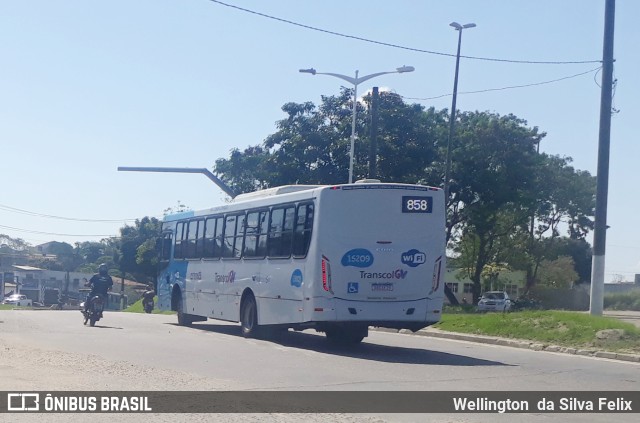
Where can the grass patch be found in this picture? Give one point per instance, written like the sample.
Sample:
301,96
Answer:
137,308
623,301
564,328
12,307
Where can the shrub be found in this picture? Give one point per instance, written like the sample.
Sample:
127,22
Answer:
623,301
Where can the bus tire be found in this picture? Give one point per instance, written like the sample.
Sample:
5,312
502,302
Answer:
183,318
249,317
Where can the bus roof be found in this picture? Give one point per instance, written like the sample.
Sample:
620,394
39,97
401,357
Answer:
291,189
285,189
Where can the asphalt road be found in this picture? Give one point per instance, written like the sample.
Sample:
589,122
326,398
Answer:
632,317
52,350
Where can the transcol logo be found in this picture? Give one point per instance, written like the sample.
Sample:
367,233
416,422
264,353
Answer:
394,274
414,258
230,278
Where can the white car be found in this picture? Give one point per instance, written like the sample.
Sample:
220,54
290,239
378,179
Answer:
494,301
18,300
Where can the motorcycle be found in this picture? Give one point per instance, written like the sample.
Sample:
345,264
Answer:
93,312
147,304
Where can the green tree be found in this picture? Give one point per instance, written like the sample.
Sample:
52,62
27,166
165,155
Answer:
498,180
137,253
9,244
67,258
245,171
91,251
580,252
492,183
565,199
311,145
558,273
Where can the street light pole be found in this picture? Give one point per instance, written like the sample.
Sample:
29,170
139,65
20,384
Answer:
353,127
452,119
356,81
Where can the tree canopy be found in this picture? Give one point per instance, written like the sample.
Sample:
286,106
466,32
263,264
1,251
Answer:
507,204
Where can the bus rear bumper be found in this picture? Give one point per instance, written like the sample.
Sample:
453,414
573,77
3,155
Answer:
412,315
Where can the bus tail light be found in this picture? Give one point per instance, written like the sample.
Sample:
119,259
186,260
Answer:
326,274
437,267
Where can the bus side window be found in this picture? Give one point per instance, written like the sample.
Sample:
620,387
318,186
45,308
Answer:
212,232
200,239
255,235
239,236
233,234
219,240
228,236
167,240
280,232
192,238
302,233
177,251
261,247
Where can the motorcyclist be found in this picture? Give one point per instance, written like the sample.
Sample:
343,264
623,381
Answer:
100,284
148,295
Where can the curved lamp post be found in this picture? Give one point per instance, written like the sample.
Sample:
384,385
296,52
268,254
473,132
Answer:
355,81
452,119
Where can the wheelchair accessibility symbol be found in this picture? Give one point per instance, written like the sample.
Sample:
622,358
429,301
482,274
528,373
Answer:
352,288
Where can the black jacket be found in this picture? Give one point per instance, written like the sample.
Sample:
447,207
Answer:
100,284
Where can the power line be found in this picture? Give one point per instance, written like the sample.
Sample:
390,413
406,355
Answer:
537,62
509,87
30,213
56,234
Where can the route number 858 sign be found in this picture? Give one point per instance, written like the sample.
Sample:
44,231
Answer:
411,204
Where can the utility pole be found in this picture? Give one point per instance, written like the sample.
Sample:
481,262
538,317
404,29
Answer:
373,150
122,304
602,180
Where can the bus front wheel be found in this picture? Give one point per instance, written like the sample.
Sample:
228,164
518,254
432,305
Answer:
249,317
183,318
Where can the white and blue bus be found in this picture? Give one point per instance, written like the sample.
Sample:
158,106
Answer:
337,259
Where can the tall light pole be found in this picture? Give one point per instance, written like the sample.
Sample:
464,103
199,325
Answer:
355,81
452,119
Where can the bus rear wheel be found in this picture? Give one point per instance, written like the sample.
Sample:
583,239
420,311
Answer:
249,318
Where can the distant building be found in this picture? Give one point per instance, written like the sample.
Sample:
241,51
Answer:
45,248
622,287
33,282
38,284
512,282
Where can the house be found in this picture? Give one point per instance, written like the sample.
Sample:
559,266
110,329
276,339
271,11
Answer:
44,286
34,282
512,282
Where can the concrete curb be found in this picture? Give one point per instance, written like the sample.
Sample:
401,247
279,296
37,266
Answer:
516,343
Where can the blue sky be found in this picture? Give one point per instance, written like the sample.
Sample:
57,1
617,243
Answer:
87,86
